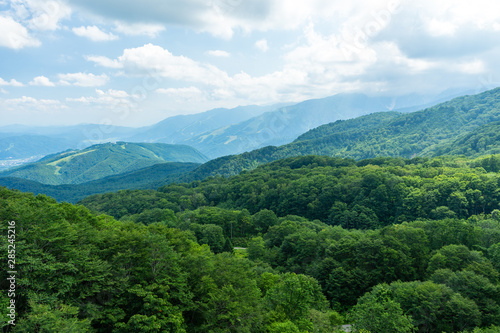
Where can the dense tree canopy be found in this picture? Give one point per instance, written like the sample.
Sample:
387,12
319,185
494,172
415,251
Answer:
328,242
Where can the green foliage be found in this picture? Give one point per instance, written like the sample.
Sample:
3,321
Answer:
146,178
78,272
292,297
491,329
402,244
435,307
475,287
378,312
335,191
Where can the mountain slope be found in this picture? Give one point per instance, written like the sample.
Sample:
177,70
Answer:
414,134
424,133
178,129
287,123
99,161
147,178
484,140
25,146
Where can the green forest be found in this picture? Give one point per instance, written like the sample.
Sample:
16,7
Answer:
302,244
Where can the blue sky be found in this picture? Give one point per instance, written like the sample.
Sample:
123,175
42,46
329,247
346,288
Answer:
135,63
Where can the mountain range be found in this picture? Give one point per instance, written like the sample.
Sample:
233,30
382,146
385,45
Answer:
467,125
214,133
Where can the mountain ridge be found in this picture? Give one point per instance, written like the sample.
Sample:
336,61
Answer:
99,161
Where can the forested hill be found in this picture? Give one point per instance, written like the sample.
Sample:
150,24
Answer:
429,251
397,245
415,134
99,161
366,194
147,178
456,126
483,140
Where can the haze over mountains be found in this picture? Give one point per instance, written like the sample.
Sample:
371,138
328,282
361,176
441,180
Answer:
214,133
465,125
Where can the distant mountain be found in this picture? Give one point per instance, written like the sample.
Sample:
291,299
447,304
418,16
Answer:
19,149
419,133
465,125
76,136
20,144
215,133
178,129
99,161
151,177
24,144
285,124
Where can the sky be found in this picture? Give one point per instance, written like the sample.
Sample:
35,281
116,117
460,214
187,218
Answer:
134,63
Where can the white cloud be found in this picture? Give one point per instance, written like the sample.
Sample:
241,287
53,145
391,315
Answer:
472,67
83,79
153,60
363,45
43,15
262,45
441,28
116,101
219,53
14,35
188,92
46,15
109,97
32,111
32,104
41,81
104,61
94,34
139,29
12,82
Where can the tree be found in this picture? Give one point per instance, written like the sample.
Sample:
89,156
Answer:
263,220
256,249
53,318
475,287
292,297
377,312
435,307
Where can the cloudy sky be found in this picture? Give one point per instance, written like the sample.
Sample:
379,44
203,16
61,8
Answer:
131,62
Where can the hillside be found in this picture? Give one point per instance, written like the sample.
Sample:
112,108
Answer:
25,146
21,144
178,129
414,134
360,238
285,124
446,128
147,178
482,141
99,161
423,233
464,125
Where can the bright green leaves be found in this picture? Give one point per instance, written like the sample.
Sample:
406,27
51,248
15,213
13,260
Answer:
378,312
